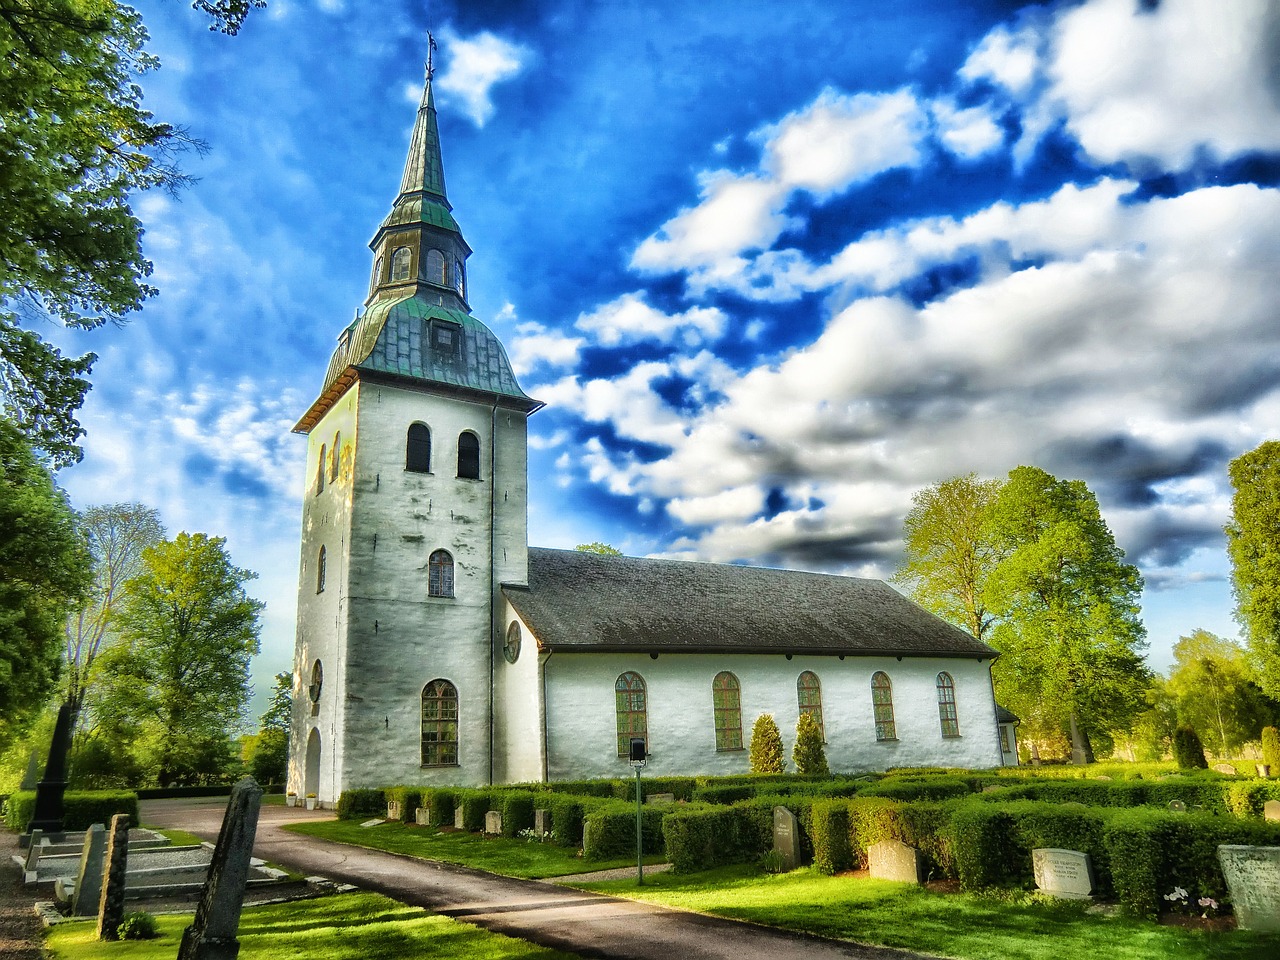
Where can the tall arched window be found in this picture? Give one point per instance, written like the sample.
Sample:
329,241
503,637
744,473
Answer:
632,712
417,449
400,261
321,466
316,686
726,699
468,456
947,706
459,279
334,456
320,571
809,693
377,274
435,268
440,574
439,724
882,706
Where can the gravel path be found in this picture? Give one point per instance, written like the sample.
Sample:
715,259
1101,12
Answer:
20,929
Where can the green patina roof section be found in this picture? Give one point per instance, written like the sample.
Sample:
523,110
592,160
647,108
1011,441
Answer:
392,338
423,169
414,209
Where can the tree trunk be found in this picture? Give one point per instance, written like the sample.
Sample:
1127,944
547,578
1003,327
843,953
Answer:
1081,748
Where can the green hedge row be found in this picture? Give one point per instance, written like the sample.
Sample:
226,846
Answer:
609,831
80,808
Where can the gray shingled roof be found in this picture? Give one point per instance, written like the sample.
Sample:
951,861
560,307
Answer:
578,601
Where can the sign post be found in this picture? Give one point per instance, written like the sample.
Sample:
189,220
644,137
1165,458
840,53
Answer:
638,762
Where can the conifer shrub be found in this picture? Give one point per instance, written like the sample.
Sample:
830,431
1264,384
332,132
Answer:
1187,750
808,754
766,746
1271,749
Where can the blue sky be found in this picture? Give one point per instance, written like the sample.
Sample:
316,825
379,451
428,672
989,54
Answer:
773,266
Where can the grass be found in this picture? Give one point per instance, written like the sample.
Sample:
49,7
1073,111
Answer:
969,927
510,858
353,926
179,838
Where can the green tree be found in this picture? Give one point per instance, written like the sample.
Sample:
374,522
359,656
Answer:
808,754
180,671
949,552
1271,748
1188,751
1150,735
766,746
267,752
1067,611
44,571
595,546
1213,685
1253,545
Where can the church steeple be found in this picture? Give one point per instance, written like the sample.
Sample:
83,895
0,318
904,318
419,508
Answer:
419,249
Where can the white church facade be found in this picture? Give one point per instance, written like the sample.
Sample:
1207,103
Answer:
435,647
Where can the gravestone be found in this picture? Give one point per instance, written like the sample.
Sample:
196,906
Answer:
893,860
1177,806
34,850
786,837
1063,873
111,902
542,821
493,822
393,810
49,791
1271,810
660,798
459,818
422,816
1253,878
1264,770
93,861
1226,768
212,934
31,777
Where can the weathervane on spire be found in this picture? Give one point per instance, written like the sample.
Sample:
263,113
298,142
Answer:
431,48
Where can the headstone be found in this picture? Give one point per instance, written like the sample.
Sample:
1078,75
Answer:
93,861
1063,873
1226,768
1253,878
212,934
1271,810
543,822
111,902
493,822
1264,770
893,860
660,798
422,816
49,791
786,837
31,777
1177,806
375,822
393,809
33,855
459,818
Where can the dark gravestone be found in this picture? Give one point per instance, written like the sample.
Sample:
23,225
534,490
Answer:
48,812
88,893
212,935
786,837
111,904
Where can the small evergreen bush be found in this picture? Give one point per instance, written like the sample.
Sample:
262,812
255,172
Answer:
1187,750
808,754
766,746
138,925
1271,749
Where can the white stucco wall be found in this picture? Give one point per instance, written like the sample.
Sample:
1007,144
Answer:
581,724
518,717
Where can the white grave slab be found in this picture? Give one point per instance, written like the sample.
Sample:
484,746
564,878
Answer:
1253,877
1063,873
893,860
1271,810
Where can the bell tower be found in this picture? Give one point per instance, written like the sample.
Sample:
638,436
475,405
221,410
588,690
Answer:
414,512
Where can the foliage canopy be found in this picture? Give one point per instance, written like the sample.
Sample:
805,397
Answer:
1254,549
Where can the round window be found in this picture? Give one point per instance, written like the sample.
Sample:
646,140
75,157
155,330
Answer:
511,649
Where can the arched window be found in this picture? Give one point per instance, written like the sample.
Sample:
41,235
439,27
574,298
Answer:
633,714
469,456
417,449
435,268
726,698
882,706
377,274
320,468
459,279
400,263
334,456
947,706
440,574
439,724
809,694
317,684
320,571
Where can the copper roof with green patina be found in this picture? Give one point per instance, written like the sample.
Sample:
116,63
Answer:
417,209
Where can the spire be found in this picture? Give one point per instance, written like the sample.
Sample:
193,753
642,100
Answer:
423,168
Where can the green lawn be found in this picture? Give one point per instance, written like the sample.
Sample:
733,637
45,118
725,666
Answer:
510,858
1016,927
356,926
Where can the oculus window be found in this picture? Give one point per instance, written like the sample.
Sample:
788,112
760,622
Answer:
511,648
315,687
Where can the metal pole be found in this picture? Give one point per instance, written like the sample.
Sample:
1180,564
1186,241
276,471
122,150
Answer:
639,836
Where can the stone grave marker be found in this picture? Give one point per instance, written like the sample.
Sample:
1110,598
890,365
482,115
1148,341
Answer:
111,902
375,822
894,860
1063,873
422,816
1271,810
32,776
1264,770
459,818
1226,768
786,837
212,934
542,821
493,822
1177,806
93,862
393,810
33,855
1253,877
660,798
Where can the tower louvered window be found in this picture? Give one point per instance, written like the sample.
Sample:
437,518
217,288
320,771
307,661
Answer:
632,712
726,697
439,724
882,706
947,706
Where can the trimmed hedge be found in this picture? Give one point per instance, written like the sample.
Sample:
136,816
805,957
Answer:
567,814
918,788
475,804
1246,798
702,839
610,831
517,811
80,808
440,802
829,828
361,803
922,825
409,798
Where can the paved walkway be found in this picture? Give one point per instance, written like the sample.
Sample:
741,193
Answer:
584,923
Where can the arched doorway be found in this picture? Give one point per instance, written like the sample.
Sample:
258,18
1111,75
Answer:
311,785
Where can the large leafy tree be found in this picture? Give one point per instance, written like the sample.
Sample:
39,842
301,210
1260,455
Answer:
1067,611
75,142
267,751
44,570
1253,543
179,674
1213,685
949,553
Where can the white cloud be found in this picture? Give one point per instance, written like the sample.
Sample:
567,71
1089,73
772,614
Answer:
535,346
629,319
968,133
1008,58
473,66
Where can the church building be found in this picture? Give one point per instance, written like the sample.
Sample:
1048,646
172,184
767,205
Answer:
435,647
